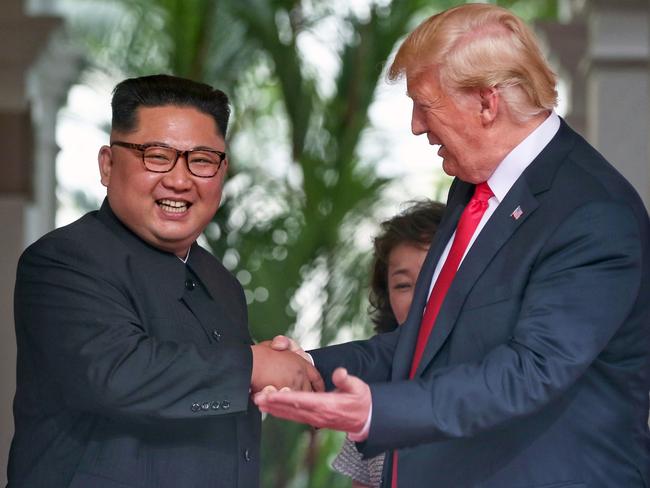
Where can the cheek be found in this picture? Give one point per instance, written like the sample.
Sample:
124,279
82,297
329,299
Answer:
210,195
400,303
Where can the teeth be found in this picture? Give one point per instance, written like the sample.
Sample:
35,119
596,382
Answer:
173,206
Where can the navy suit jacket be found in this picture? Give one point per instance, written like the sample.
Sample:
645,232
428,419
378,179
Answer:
536,372
133,368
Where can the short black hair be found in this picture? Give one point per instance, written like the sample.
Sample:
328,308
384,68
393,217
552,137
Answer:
415,225
162,90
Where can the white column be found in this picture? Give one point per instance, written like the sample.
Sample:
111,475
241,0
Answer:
57,68
27,125
618,86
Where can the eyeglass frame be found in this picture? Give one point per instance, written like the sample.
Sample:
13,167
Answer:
143,147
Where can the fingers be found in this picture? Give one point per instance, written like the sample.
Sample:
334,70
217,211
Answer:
315,379
287,412
347,383
306,385
312,380
281,343
329,410
339,377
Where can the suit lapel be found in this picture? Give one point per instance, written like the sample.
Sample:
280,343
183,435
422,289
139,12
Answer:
520,202
497,231
215,310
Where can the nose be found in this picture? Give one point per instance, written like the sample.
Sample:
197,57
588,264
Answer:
417,121
179,178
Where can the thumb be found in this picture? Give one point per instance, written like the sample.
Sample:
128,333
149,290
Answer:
280,343
345,382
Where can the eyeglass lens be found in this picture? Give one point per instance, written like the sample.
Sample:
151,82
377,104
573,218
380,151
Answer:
200,163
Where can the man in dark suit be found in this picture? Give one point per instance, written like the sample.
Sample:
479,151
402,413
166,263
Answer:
135,364
524,362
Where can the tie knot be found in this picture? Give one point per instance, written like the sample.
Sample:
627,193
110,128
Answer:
482,192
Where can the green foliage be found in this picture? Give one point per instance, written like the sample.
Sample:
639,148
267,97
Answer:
298,190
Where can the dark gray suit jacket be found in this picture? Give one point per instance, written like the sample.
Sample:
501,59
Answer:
133,368
536,373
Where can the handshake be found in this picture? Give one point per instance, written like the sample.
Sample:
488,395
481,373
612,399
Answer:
282,364
286,384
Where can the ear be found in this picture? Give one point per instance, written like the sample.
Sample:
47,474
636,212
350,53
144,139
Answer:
489,98
105,160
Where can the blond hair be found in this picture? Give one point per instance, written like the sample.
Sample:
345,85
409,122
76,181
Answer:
481,46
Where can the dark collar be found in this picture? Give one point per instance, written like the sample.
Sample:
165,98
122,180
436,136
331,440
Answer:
161,267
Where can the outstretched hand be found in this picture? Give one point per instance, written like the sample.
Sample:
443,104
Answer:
283,369
345,409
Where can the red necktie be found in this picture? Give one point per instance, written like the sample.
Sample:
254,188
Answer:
467,225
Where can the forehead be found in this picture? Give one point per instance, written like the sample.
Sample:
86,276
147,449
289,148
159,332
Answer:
180,126
407,253
423,83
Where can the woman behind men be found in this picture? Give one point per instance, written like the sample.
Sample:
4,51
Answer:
399,251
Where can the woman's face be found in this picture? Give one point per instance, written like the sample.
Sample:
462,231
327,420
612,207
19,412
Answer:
404,263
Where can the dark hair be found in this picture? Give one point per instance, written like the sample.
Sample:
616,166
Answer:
161,90
417,224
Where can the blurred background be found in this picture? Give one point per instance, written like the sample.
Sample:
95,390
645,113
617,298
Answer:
320,147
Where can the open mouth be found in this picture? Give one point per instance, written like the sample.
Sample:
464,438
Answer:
173,206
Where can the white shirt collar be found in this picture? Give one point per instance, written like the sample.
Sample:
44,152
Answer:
187,256
517,160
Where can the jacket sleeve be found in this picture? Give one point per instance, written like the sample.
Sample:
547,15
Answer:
89,350
584,287
371,359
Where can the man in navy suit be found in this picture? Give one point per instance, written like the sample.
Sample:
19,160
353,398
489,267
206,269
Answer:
535,372
135,364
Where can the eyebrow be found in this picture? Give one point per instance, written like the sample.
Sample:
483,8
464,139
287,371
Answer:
196,148
400,271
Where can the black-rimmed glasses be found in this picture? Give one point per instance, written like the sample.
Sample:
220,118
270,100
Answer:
204,163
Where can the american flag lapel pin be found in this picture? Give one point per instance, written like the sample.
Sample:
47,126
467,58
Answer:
518,212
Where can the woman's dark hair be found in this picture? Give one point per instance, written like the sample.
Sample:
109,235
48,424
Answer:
161,90
415,225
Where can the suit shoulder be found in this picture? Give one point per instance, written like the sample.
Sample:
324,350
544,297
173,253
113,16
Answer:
595,177
84,239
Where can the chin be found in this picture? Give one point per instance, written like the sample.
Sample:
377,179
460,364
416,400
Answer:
449,169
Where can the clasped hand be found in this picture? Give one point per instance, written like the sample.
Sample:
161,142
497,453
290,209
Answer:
346,408
281,368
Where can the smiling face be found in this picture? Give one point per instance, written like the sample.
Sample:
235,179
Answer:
455,122
167,210
404,263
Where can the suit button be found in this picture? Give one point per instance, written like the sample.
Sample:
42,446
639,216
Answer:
216,334
190,284
196,407
205,406
225,404
215,406
247,455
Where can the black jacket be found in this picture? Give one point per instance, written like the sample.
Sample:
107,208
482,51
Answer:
133,368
